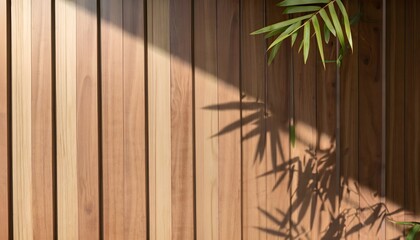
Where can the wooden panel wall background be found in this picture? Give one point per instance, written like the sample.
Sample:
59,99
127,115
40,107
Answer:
161,119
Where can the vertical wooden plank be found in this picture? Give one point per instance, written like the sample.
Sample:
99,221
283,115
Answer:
253,121
159,93
112,118
181,124
395,70
412,113
278,144
66,107
42,143
370,120
87,119
206,121
327,195
349,135
228,73
23,221
304,199
4,120
135,182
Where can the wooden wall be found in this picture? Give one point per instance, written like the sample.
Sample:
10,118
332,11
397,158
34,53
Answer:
161,119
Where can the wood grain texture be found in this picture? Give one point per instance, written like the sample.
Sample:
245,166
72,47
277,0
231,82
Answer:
253,123
159,93
67,180
370,120
278,144
112,118
206,120
181,120
395,71
412,114
327,196
135,157
228,73
349,134
4,121
304,183
42,142
23,221
87,119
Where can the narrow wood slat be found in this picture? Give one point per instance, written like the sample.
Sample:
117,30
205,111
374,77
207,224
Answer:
23,221
395,196
412,113
328,197
304,156
135,182
349,125
278,144
206,119
253,122
42,142
228,74
87,119
181,124
370,120
4,121
66,107
159,111
112,118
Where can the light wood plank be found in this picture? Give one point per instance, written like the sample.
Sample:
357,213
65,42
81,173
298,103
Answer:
253,84
395,196
228,74
87,119
370,120
23,221
159,93
112,118
349,134
67,181
42,142
4,121
206,120
181,124
135,183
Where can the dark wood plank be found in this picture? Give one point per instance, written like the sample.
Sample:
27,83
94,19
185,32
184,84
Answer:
42,142
135,183
395,69
87,119
349,134
278,106
181,124
4,121
412,113
253,82
370,120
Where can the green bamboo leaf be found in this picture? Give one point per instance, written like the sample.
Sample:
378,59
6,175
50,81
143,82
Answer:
300,46
287,3
413,232
337,25
292,135
274,33
273,53
301,9
328,23
327,34
318,36
282,24
285,34
294,37
407,223
306,41
346,22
